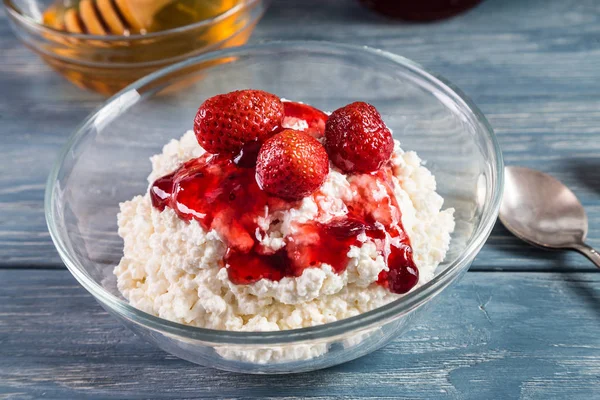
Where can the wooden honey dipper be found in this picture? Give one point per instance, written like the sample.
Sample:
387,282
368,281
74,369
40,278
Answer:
124,17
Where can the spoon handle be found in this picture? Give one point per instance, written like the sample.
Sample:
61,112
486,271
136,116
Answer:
589,252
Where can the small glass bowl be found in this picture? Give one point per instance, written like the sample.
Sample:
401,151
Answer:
106,162
108,63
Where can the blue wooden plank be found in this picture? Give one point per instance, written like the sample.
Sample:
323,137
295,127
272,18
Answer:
535,127
532,68
530,65
494,335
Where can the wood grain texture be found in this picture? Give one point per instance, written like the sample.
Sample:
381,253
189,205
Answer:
532,67
494,335
38,111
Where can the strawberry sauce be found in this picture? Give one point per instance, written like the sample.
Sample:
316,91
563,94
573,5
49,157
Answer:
315,119
222,194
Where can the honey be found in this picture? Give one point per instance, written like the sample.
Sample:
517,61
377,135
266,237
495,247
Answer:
139,40
125,17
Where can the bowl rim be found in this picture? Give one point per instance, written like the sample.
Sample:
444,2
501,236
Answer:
362,321
14,12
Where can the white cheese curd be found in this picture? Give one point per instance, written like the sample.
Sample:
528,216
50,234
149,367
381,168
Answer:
174,269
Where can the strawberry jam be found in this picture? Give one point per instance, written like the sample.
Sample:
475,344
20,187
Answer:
223,195
314,118
422,10
244,268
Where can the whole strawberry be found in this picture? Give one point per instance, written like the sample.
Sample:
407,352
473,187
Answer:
291,165
224,123
357,139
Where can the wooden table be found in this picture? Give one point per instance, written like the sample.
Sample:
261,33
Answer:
522,323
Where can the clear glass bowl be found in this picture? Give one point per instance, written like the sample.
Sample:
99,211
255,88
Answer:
106,162
107,64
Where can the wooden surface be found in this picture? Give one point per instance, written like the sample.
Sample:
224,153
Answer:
496,335
532,66
522,324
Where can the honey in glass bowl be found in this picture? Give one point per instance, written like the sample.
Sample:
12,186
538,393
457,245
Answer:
88,53
125,17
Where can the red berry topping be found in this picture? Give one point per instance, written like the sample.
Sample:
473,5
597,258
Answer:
222,195
298,113
357,139
402,274
224,123
291,165
262,169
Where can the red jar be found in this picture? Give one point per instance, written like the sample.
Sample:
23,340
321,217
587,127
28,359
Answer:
420,10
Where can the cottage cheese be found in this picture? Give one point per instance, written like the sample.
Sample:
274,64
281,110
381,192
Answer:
172,268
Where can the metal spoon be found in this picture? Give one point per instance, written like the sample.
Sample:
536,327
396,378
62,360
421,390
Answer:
540,210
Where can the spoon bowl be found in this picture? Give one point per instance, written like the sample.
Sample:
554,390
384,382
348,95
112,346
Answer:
542,211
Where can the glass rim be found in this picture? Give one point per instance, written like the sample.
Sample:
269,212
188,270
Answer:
362,321
13,10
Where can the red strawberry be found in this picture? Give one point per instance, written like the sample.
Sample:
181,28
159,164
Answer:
357,139
224,123
291,165
295,114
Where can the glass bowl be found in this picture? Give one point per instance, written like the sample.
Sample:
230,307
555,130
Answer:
106,162
107,64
